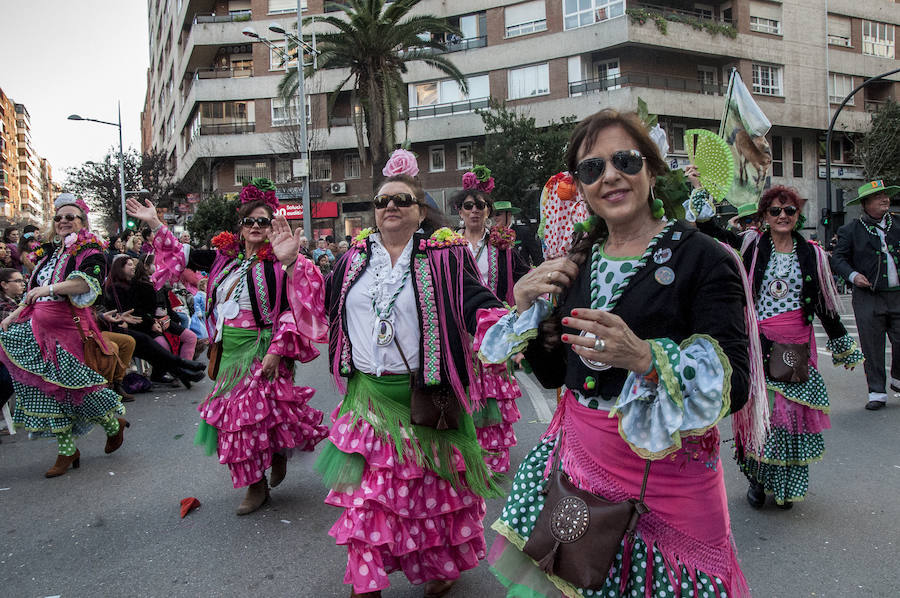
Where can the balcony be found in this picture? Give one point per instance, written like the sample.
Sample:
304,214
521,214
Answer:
678,15
222,73
235,17
227,128
526,28
459,45
653,81
875,105
448,109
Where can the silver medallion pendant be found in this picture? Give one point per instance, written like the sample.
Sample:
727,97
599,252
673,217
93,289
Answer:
778,288
384,332
597,366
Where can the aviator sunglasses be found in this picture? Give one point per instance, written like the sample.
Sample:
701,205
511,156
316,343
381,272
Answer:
68,217
262,221
625,161
401,200
775,211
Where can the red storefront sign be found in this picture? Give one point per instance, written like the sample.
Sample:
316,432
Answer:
320,209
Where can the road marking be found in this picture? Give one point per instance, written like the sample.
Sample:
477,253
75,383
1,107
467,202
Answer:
536,396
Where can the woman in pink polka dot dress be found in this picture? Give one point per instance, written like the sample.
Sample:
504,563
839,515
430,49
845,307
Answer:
402,305
264,316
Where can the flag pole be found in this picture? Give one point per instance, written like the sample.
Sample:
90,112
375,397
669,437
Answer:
727,101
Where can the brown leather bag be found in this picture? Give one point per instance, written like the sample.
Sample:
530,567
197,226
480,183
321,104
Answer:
788,362
97,356
214,353
578,533
431,406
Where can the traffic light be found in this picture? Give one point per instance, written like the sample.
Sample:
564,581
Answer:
826,216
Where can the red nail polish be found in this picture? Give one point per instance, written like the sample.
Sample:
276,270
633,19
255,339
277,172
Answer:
574,312
565,321
565,338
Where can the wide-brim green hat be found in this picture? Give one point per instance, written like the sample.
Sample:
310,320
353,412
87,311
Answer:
873,188
505,206
748,209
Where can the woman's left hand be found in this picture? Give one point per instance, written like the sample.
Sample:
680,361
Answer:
270,365
285,244
621,347
36,293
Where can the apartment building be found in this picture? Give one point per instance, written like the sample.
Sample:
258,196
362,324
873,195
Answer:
212,103
31,204
9,161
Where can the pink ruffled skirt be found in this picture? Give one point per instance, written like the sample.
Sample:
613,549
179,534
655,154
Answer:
498,438
402,517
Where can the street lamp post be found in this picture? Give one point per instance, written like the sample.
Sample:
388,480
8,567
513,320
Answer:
121,154
301,103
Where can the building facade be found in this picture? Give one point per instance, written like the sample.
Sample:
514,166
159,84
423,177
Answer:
213,107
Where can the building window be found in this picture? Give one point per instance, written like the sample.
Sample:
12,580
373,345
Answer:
464,159
277,7
283,171
580,13
777,156
529,81
244,171
277,51
447,91
525,18
838,88
839,31
436,161
320,168
797,156
676,139
708,77
878,39
704,11
767,79
351,166
285,113
764,25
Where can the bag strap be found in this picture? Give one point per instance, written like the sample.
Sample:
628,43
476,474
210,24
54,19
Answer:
402,356
644,482
77,320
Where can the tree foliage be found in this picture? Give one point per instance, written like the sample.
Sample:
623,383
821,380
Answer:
521,155
375,40
98,182
214,214
879,149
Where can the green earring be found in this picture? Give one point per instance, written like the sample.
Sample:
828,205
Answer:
657,208
586,226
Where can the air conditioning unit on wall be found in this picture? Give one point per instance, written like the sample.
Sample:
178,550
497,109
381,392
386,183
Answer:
339,188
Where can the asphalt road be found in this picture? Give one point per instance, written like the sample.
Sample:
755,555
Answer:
112,527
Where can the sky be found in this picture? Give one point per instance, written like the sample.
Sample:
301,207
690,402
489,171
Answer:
63,57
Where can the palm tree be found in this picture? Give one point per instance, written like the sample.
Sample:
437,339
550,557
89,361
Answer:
375,40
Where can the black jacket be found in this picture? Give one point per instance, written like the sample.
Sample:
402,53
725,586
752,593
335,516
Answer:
705,297
859,250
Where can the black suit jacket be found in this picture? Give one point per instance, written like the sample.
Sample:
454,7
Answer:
858,250
705,297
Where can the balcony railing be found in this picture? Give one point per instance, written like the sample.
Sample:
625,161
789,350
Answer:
209,17
526,28
458,45
221,73
875,105
340,121
448,108
690,14
227,129
646,80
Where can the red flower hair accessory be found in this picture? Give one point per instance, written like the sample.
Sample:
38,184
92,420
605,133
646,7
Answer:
478,178
260,189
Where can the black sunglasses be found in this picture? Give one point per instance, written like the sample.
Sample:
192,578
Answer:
625,161
262,221
401,200
468,205
775,211
68,217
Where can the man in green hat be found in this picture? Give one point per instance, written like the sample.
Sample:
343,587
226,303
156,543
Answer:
868,256
526,242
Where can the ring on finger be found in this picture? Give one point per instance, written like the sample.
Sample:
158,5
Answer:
549,276
599,345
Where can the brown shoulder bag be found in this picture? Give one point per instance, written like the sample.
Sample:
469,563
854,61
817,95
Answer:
100,358
432,406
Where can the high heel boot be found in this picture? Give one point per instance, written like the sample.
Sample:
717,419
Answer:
257,495
62,464
115,441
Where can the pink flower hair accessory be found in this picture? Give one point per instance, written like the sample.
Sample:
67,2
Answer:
478,178
260,189
401,162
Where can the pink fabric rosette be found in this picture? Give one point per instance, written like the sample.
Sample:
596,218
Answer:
401,162
469,181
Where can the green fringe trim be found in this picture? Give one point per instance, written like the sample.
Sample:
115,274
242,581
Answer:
207,437
519,542
240,346
489,415
340,471
383,402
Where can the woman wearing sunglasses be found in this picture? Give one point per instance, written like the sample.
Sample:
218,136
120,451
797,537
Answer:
648,336
264,311
792,283
403,306
500,266
57,394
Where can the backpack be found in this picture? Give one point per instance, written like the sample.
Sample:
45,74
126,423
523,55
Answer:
134,383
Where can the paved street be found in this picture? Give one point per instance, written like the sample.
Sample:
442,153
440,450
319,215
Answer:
112,527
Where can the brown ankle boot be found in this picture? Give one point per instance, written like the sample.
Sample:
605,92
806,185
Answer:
438,587
115,441
257,495
377,594
279,469
62,464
